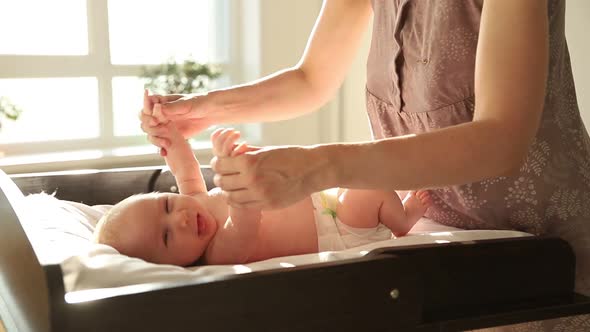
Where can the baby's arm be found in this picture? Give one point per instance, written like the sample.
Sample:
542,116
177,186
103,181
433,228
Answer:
237,240
180,158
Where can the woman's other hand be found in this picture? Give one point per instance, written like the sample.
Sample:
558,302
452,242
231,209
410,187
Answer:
269,178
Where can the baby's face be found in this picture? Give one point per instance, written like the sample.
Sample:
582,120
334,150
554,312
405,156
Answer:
165,228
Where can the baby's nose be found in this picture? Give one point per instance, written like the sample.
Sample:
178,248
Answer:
182,219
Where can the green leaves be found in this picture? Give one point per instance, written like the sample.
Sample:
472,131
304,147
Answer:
177,78
9,110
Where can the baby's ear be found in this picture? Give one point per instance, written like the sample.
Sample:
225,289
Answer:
97,231
94,237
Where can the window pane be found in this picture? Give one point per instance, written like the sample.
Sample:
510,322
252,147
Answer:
52,109
153,31
127,102
41,27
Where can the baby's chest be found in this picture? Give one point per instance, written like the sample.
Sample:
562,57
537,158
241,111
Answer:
289,231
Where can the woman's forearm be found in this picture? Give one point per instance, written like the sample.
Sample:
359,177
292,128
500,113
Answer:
283,95
304,88
455,155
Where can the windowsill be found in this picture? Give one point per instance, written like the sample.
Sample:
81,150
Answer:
135,156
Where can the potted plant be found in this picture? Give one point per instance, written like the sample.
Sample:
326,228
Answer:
8,110
179,78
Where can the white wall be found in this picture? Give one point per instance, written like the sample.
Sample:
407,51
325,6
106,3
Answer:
577,20
354,124
285,28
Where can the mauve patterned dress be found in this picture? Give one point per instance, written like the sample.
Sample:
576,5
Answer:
420,77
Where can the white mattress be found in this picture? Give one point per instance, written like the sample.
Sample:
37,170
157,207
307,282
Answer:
61,233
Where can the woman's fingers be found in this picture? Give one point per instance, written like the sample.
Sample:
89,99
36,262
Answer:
149,101
158,130
147,104
157,113
242,199
145,118
232,165
179,108
231,182
268,178
162,99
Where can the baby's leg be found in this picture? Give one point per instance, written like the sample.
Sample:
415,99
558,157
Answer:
367,208
364,208
415,205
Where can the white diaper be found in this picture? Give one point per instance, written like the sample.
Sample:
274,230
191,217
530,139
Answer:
335,235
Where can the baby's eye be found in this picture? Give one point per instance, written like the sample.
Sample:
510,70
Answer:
165,238
166,205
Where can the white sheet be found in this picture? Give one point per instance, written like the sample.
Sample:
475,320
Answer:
61,232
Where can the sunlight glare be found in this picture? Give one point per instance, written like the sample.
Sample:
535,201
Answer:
153,31
56,27
46,114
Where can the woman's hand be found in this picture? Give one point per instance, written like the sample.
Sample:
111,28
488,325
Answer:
186,122
269,178
188,113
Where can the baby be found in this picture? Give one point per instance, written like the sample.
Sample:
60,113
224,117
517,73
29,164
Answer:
199,226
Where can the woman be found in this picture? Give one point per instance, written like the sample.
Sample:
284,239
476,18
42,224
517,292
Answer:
471,99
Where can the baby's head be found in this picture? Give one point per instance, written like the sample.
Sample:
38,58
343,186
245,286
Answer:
161,228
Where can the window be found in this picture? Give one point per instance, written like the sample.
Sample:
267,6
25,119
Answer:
72,66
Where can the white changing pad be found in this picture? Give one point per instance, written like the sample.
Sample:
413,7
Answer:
61,232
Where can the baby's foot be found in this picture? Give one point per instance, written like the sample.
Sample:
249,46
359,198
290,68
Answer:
416,203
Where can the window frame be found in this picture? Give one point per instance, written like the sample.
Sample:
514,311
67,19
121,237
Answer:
265,36
96,64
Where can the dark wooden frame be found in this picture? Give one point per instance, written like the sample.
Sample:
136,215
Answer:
447,287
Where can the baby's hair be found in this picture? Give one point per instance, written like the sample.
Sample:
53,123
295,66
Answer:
104,234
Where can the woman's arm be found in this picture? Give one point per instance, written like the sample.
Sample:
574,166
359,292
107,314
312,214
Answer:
295,91
510,79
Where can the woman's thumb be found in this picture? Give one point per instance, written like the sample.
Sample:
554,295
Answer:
176,109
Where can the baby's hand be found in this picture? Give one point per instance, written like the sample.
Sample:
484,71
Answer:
168,131
224,143
156,131
146,116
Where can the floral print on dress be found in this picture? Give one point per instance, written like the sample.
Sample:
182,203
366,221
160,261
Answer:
537,158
